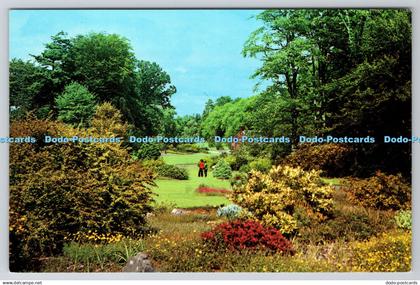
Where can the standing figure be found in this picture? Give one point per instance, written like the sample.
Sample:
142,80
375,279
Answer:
201,168
205,168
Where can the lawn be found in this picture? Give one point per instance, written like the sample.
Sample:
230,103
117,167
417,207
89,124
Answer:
182,193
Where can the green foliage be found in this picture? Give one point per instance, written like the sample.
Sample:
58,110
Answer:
25,81
60,190
76,105
338,72
333,159
147,151
403,220
260,164
152,92
381,191
238,179
188,125
93,256
105,64
172,171
191,148
227,119
222,170
274,198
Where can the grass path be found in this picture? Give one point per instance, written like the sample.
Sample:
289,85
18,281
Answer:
182,192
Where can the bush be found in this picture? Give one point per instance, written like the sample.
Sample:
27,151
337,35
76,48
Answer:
389,252
245,168
147,151
403,220
260,164
231,211
239,158
333,159
238,179
172,171
153,164
239,235
348,224
75,105
191,148
222,170
60,189
274,197
383,192
197,257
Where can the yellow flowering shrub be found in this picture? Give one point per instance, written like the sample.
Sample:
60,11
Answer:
273,198
389,252
60,189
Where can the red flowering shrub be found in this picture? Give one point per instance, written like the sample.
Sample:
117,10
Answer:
239,235
212,191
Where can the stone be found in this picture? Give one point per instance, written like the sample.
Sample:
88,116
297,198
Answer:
149,215
179,212
139,263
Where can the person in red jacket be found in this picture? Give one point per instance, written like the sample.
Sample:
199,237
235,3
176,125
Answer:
201,166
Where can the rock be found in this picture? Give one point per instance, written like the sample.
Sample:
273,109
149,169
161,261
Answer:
149,215
139,263
179,212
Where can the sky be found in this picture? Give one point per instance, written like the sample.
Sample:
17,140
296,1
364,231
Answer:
199,49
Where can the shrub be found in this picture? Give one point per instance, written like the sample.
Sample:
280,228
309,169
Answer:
191,148
239,158
147,151
238,179
273,198
231,211
222,170
403,220
209,191
260,164
245,168
333,159
349,224
152,164
172,171
197,257
389,252
239,235
75,105
381,191
212,161
108,120
60,189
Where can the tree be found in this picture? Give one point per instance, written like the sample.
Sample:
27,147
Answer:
105,64
75,105
208,107
337,72
152,93
26,82
285,53
228,119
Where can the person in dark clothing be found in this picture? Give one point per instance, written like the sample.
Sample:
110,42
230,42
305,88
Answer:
205,168
201,168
